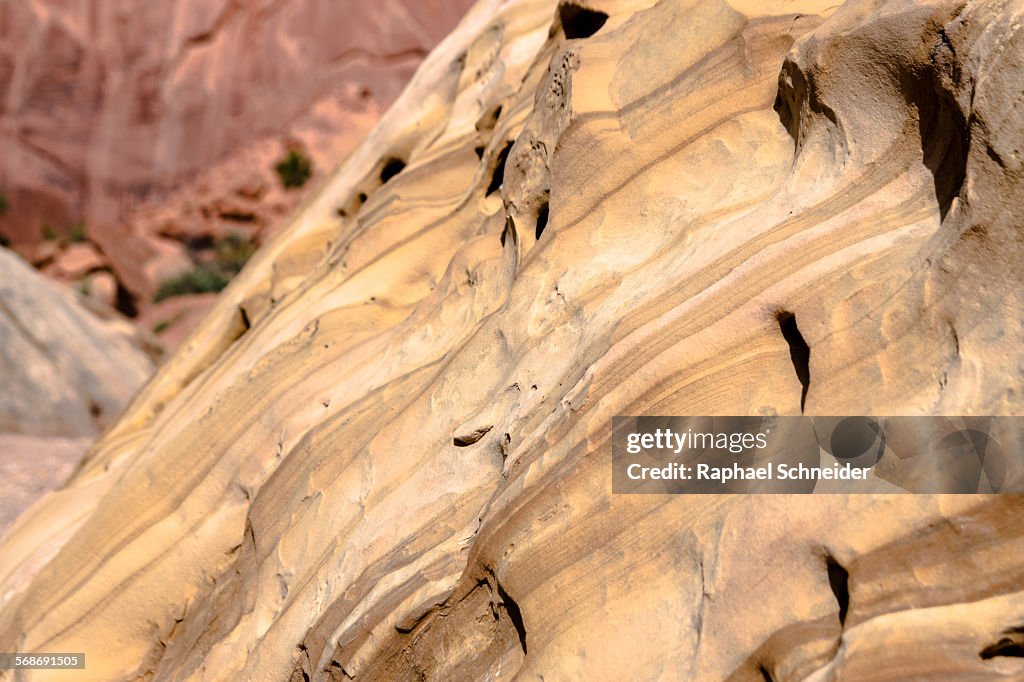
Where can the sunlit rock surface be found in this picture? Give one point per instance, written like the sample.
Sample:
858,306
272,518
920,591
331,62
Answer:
384,454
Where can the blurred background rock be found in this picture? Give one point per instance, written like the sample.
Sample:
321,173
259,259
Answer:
137,136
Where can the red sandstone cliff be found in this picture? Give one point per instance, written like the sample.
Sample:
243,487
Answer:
138,125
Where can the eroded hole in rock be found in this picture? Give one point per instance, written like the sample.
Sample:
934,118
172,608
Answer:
499,169
580,22
799,351
238,216
465,439
839,581
199,242
542,219
765,675
514,615
1004,647
1010,646
392,167
489,119
509,231
797,95
125,302
792,89
945,132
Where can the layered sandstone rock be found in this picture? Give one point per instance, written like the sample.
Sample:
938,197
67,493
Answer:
384,454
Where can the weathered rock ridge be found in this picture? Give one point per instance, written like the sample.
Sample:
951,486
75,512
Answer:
384,454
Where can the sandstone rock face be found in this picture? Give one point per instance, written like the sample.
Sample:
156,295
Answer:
384,453
145,120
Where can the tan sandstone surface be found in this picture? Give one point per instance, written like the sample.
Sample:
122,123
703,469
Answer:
384,453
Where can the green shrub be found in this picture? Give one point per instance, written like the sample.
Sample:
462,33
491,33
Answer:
49,234
76,233
229,256
203,279
294,169
233,252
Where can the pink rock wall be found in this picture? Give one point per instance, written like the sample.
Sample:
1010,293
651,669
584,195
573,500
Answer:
109,105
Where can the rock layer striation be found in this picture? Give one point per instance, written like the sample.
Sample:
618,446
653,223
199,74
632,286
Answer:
384,454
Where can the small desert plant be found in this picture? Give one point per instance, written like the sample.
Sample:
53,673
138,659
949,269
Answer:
202,279
49,233
4,204
76,233
233,252
294,169
230,255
